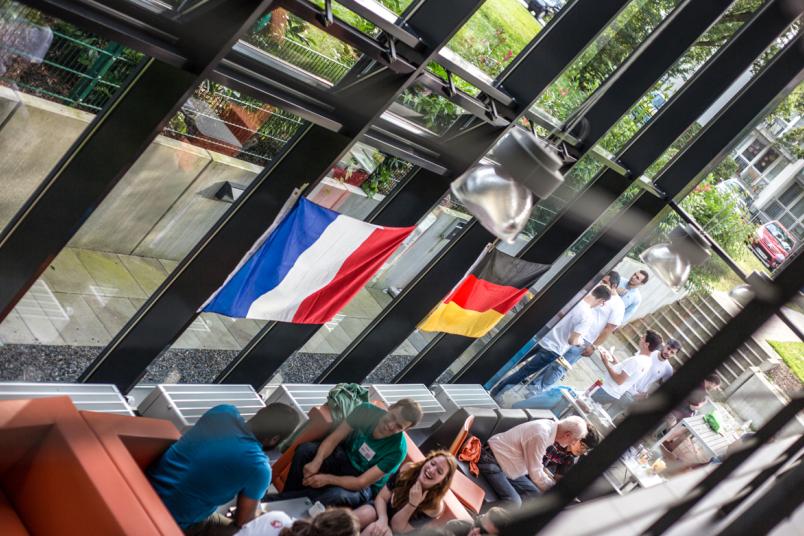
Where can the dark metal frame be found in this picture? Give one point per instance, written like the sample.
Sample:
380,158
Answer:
188,47
169,311
644,148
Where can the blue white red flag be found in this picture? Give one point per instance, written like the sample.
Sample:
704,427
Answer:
307,268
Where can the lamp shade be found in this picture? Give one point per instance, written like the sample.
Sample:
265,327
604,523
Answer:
499,203
672,262
742,294
667,264
530,161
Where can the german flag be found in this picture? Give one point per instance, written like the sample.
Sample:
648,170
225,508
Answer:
481,299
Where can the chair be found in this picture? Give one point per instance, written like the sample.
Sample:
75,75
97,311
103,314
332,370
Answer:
63,471
508,418
446,435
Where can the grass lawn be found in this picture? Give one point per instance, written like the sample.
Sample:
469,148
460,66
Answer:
495,34
792,354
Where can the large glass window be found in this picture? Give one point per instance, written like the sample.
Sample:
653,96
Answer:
54,77
355,187
498,32
210,151
300,44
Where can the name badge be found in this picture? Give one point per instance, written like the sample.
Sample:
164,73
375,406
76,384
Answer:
366,452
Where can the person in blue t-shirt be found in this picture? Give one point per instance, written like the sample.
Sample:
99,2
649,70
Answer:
218,459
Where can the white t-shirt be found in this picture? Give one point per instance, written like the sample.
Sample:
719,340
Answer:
660,371
579,320
635,367
268,524
611,312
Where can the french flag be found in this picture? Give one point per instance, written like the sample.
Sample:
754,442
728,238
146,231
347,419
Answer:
307,268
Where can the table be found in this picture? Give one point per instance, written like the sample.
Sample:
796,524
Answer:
597,415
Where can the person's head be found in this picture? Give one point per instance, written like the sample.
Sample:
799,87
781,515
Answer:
435,474
590,441
599,295
670,349
273,423
650,342
611,279
638,278
697,399
402,415
712,383
494,521
331,522
570,430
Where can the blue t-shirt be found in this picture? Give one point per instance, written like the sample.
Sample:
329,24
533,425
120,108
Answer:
216,460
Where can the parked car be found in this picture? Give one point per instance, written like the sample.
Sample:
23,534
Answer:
772,244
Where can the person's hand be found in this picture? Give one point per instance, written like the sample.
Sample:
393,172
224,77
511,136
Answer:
416,494
475,532
316,481
377,528
588,350
311,468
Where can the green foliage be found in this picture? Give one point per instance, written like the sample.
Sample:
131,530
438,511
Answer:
792,353
385,175
437,112
790,108
495,34
721,217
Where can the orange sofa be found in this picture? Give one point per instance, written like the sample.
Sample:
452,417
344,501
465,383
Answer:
77,473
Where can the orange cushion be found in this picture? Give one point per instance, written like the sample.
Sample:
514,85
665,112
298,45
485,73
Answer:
61,478
133,444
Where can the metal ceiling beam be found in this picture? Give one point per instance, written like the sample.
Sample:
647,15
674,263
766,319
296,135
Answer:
671,121
307,157
109,146
561,41
665,45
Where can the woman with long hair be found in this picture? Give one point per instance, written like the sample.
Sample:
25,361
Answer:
411,498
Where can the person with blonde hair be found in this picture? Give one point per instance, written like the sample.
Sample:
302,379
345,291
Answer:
331,522
411,498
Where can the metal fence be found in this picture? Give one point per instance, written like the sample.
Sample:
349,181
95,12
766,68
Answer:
40,56
301,56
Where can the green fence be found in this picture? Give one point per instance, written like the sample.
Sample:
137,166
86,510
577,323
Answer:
51,59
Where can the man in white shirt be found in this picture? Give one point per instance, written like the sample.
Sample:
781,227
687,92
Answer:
659,372
607,318
512,461
621,377
569,331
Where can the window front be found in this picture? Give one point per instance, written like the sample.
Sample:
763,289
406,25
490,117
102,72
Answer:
754,149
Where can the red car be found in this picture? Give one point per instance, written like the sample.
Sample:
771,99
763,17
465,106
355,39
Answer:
772,243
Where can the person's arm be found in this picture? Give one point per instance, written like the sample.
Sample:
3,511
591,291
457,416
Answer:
615,370
380,526
535,447
325,449
353,483
400,523
575,338
246,509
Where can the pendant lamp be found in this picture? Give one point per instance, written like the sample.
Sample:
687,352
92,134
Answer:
672,262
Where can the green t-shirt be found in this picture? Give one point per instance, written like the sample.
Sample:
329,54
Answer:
365,452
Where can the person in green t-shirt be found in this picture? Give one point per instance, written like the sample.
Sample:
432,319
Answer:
355,460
